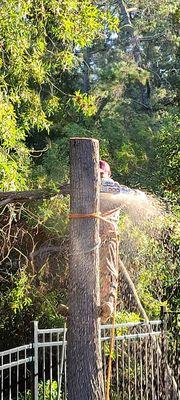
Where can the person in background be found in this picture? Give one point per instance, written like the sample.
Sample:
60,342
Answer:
109,189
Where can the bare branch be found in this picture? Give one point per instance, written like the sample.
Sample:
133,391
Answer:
32,195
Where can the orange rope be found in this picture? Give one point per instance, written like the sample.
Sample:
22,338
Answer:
92,215
111,211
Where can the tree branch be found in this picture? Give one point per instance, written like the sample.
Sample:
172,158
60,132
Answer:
32,195
101,107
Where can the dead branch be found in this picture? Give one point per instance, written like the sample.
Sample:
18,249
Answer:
25,196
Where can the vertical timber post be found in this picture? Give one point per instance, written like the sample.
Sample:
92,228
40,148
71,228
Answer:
85,378
164,393
35,346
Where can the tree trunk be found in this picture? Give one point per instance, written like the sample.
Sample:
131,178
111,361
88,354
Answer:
85,379
134,42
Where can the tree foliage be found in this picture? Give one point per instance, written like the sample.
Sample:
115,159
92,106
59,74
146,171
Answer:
40,42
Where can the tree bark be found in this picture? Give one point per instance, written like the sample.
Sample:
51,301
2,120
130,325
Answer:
85,379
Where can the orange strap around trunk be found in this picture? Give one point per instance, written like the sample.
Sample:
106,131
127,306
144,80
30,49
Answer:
93,215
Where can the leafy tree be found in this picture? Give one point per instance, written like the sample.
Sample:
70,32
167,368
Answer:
40,44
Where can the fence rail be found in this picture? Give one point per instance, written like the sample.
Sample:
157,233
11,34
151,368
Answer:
38,371
15,370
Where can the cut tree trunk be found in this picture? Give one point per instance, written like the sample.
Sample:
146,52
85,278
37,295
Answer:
85,378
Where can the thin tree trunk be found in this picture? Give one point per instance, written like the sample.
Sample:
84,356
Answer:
134,42
86,70
85,379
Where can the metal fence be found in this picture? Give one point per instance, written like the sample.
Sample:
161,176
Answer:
136,364
38,371
16,372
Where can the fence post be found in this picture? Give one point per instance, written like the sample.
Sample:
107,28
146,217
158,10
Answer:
84,367
164,389
35,347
